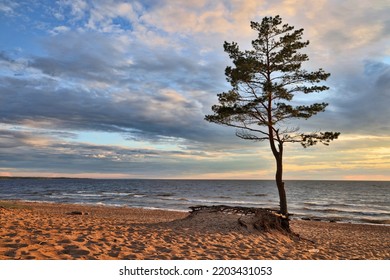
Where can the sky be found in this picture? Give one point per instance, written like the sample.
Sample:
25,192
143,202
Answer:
119,89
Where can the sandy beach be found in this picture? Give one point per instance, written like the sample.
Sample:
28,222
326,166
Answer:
44,231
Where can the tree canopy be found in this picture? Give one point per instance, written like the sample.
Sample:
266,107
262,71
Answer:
264,81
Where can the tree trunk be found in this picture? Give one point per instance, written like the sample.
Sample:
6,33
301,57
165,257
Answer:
278,154
280,185
281,190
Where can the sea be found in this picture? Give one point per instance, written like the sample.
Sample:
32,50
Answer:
365,202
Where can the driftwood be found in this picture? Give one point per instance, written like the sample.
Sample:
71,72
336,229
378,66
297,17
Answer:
76,213
259,219
226,209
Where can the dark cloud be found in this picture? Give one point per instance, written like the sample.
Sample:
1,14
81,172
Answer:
35,151
82,56
56,153
93,56
4,57
92,81
359,102
43,103
12,139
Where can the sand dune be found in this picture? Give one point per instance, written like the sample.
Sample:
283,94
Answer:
52,231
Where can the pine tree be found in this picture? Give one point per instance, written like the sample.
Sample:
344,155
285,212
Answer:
264,81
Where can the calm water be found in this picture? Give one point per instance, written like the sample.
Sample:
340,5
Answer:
351,201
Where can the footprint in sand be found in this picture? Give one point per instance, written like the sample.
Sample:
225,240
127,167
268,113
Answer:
114,252
74,251
65,241
16,246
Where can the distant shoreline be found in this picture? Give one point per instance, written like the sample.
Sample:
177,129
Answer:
41,178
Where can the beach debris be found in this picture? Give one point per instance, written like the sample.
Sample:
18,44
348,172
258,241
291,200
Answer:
76,213
229,209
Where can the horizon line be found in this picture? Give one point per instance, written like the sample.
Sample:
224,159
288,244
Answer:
179,179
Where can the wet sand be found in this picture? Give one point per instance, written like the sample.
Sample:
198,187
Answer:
45,231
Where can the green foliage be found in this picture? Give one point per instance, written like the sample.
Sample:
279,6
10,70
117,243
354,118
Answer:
264,81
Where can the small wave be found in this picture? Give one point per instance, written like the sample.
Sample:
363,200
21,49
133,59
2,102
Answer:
117,193
368,212
90,195
234,202
38,201
317,204
102,204
341,218
376,221
337,205
81,195
55,196
161,208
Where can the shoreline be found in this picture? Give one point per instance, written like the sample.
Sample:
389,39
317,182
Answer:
357,202
293,217
35,230
114,206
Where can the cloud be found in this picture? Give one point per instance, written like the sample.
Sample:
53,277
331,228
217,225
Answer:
79,56
78,8
41,151
94,81
8,7
59,29
113,16
360,102
161,114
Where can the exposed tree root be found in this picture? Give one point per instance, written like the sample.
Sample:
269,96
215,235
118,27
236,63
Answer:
253,219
